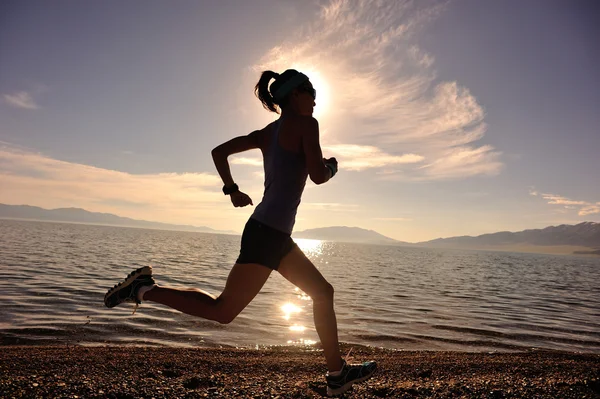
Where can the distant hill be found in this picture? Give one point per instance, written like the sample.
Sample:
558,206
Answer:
582,238
78,215
347,234
586,234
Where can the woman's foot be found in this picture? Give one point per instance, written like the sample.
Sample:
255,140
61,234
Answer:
127,290
341,381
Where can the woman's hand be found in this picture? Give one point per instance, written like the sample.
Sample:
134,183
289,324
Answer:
332,165
240,199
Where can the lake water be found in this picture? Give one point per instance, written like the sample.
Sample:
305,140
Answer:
53,278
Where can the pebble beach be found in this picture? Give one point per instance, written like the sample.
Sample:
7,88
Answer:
287,372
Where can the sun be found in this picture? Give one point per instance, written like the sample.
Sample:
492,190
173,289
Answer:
320,84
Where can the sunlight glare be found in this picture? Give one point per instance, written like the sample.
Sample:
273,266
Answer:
289,308
319,82
310,246
301,295
301,341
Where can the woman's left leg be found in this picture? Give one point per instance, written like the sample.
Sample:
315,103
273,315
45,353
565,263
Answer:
243,283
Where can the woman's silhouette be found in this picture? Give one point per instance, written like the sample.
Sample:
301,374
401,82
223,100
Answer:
291,152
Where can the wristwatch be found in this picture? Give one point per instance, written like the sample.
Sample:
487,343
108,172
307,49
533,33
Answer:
231,189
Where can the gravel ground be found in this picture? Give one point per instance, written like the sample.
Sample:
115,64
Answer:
146,372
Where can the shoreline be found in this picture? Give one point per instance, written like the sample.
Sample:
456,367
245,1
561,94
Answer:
131,372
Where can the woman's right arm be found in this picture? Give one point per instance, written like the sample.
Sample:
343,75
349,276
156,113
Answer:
318,172
233,146
223,151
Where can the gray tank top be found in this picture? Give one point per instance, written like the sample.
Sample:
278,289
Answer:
285,178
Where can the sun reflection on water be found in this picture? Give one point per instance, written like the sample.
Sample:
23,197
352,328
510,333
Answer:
301,342
309,246
289,308
296,328
301,295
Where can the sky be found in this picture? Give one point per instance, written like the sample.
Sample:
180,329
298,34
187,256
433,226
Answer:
447,118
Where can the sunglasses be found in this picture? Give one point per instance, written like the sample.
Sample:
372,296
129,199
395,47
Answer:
309,90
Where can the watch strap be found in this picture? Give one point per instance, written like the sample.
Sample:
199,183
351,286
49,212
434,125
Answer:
227,190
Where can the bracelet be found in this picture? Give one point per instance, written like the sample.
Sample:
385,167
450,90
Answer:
231,189
332,169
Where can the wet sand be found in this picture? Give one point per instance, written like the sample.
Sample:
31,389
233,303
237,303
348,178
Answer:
133,372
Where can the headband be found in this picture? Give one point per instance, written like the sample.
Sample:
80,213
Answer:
289,85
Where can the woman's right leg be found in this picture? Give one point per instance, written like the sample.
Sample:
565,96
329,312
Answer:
243,283
301,272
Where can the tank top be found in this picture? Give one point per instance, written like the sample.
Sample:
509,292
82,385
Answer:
285,178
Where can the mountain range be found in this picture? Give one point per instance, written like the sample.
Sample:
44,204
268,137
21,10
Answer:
586,234
581,238
347,234
78,215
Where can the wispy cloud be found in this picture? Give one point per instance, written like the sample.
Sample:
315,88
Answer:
357,157
329,206
21,99
590,209
350,157
256,161
31,178
395,219
583,208
384,91
464,161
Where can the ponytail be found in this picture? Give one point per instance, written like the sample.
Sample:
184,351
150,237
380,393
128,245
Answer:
282,87
261,90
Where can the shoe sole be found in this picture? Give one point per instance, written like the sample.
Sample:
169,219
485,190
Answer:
348,385
142,271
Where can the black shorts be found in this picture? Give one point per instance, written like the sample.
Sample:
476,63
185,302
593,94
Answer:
264,245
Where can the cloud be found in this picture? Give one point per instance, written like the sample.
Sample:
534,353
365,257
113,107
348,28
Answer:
256,161
21,99
357,157
583,208
395,219
329,206
421,57
464,161
590,209
560,200
31,178
350,157
384,92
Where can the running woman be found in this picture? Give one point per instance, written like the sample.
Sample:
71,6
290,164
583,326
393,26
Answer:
291,152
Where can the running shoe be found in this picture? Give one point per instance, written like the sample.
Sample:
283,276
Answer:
351,374
126,290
